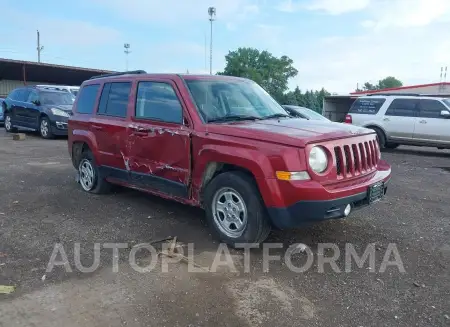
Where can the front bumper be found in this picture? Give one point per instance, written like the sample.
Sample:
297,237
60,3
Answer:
59,127
313,211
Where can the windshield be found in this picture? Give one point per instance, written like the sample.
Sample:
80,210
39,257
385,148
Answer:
218,99
311,114
56,98
447,102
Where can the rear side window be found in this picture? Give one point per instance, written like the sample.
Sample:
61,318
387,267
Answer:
431,108
114,99
158,101
403,108
367,106
86,99
16,95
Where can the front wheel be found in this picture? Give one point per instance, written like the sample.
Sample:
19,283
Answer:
392,145
8,124
235,210
45,128
381,137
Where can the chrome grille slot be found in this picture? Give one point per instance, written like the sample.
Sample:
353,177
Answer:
356,159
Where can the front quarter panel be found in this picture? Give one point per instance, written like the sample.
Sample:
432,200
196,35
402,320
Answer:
261,159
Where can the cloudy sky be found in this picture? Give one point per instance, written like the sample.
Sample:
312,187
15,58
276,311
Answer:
334,43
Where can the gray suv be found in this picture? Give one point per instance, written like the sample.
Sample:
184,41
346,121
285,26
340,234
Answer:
404,119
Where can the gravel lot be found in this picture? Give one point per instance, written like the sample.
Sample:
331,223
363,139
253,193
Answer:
42,205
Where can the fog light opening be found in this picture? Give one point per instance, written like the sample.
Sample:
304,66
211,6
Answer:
347,210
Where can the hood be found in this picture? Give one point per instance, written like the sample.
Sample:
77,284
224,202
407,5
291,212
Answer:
65,107
295,131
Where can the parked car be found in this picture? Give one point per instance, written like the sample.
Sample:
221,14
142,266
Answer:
221,143
404,119
72,89
2,117
304,113
38,109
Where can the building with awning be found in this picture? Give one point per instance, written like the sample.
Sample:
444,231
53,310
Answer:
16,73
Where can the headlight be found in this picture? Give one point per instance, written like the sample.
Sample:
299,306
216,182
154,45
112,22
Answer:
318,160
59,112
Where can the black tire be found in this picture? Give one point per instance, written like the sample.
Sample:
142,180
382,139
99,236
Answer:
257,227
381,137
392,145
99,184
8,127
45,132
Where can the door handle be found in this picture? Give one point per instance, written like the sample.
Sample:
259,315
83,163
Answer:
139,131
97,127
423,121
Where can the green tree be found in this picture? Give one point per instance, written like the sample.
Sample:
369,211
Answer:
270,72
385,83
389,82
369,87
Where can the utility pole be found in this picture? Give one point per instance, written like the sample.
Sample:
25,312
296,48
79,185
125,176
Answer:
39,47
212,15
127,51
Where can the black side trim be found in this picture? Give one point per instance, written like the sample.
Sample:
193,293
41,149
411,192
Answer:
146,181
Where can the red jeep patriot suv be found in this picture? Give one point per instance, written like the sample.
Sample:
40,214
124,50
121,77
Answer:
224,144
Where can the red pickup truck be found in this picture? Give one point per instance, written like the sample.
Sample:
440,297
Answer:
224,144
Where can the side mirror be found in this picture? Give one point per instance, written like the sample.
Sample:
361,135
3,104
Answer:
37,102
445,113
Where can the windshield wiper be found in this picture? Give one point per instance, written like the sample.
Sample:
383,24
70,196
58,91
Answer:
233,118
276,116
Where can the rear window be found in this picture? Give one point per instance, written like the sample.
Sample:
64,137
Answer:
367,106
86,99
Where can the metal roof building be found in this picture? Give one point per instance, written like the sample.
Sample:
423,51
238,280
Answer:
16,73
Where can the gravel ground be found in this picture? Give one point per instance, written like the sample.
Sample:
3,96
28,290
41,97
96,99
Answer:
42,205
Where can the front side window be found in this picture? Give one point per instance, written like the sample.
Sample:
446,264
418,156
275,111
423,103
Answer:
114,99
33,97
403,108
218,99
447,103
431,108
158,101
55,98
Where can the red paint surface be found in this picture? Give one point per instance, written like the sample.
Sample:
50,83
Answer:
182,153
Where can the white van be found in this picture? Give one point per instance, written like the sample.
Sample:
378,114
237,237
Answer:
72,89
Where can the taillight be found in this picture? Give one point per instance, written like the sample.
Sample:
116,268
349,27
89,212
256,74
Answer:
348,119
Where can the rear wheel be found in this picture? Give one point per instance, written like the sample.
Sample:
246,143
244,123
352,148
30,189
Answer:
89,177
381,137
8,124
235,210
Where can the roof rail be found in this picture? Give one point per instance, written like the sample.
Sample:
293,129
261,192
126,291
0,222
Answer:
119,74
397,94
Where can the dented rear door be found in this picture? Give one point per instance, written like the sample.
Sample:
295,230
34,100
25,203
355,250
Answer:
158,140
